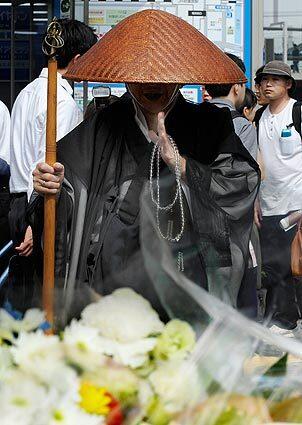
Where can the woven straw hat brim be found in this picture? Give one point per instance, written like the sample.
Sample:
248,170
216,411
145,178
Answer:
153,46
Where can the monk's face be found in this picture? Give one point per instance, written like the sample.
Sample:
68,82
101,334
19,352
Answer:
152,98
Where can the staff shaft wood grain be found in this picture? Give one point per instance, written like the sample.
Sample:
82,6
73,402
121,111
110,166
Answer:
50,200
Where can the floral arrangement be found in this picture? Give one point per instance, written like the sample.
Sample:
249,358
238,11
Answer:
118,364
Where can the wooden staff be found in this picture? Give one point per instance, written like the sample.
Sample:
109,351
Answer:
52,42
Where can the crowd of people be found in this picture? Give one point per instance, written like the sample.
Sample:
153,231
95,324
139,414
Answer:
238,231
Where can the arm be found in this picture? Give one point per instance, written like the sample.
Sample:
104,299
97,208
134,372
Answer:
248,136
222,197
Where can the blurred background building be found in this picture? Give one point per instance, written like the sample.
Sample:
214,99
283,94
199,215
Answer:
256,30
282,22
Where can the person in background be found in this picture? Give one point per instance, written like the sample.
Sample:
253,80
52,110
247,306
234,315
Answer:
248,108
279,194
296,53
232,96
261,99
205,95
29,128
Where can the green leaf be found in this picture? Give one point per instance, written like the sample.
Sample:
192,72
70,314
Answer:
278,368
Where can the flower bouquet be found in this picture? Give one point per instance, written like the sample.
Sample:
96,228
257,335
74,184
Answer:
117,364
120,364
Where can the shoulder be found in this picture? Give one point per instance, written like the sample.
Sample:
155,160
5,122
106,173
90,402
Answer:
33,96
206,112
4,111
260,114
35,87
245,129
295,104
219,119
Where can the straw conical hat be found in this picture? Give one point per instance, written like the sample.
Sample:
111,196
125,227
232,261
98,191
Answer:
153,46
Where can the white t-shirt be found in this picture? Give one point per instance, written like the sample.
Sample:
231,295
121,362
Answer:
28,127
4,132
281,189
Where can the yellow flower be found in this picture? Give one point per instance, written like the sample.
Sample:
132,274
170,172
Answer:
94,400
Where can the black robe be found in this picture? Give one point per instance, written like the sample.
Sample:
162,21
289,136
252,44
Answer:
98,244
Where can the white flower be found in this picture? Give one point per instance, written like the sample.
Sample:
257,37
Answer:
123,316
37,353
133,354
21,399
5,361
177,385
82,346
32,319
62,380
62,412
5,335
145,394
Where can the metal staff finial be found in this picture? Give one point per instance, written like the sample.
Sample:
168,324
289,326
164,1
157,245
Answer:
53,40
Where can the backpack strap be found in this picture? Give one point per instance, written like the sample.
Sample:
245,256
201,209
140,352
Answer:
296,116
257,118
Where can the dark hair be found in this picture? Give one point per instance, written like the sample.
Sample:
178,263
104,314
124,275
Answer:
239,62
258,72
250,100
78,38
222,90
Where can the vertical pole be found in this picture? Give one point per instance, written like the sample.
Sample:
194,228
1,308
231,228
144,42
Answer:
257,34
285,41
50,200
52,42
247,37
276,11
12,55
85,83
31,17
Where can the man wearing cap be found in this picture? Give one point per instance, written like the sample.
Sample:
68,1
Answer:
281,150
113,154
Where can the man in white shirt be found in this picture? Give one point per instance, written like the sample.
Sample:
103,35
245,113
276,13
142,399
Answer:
28,129
29,125
279,191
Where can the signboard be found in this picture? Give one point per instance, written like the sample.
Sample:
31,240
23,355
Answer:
22,45
221,21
